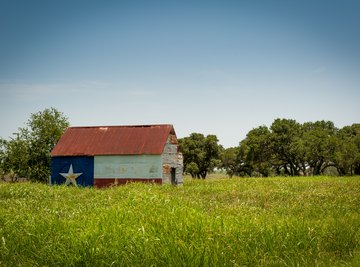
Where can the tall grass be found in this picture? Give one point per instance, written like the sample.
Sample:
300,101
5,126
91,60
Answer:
216,222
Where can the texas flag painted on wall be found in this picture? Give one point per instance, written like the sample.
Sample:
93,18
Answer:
77,171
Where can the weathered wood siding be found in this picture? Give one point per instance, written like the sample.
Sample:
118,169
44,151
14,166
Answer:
171,158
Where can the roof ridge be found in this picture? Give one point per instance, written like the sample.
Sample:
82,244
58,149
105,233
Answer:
122,126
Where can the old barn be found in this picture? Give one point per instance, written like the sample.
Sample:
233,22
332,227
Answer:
110,155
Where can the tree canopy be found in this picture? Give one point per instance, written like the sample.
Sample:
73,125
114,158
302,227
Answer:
27,154
201,154
290,148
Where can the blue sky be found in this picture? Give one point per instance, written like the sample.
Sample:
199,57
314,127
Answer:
214,67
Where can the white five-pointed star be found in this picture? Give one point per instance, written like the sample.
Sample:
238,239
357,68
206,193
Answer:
70,176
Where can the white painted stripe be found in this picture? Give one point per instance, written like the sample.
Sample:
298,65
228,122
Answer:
136,166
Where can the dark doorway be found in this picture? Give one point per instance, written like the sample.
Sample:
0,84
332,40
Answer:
173,175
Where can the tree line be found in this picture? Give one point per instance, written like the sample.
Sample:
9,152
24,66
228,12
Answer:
285,148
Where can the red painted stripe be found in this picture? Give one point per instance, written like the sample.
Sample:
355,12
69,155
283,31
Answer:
113,182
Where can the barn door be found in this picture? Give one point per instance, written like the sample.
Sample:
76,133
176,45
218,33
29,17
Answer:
173,175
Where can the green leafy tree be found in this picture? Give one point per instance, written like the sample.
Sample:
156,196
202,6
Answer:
257,150
45,129
285,144
192,169
201,154
14,157
229,160
356,140
28,154
3,154
243,164
347,151
2,157
318,144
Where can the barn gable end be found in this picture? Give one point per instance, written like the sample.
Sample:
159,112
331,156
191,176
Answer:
172,161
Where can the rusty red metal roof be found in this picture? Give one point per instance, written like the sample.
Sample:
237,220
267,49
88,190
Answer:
113,140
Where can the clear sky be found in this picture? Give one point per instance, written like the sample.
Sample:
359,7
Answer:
214,67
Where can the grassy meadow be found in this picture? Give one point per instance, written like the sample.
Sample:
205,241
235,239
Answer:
310,221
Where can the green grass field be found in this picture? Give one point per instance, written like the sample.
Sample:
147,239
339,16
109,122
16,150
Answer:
215,222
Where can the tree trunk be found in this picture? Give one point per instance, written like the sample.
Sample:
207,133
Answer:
341,171
317,168
357,169
287,172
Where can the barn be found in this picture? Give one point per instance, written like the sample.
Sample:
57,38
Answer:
103,156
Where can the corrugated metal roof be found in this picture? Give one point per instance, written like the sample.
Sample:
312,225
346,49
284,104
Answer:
113,140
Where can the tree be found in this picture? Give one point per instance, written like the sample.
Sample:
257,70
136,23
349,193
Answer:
28,154
229,160
285,144
15,157
347,150
257,149
201,154
243,165
45,129
3,152
318,144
